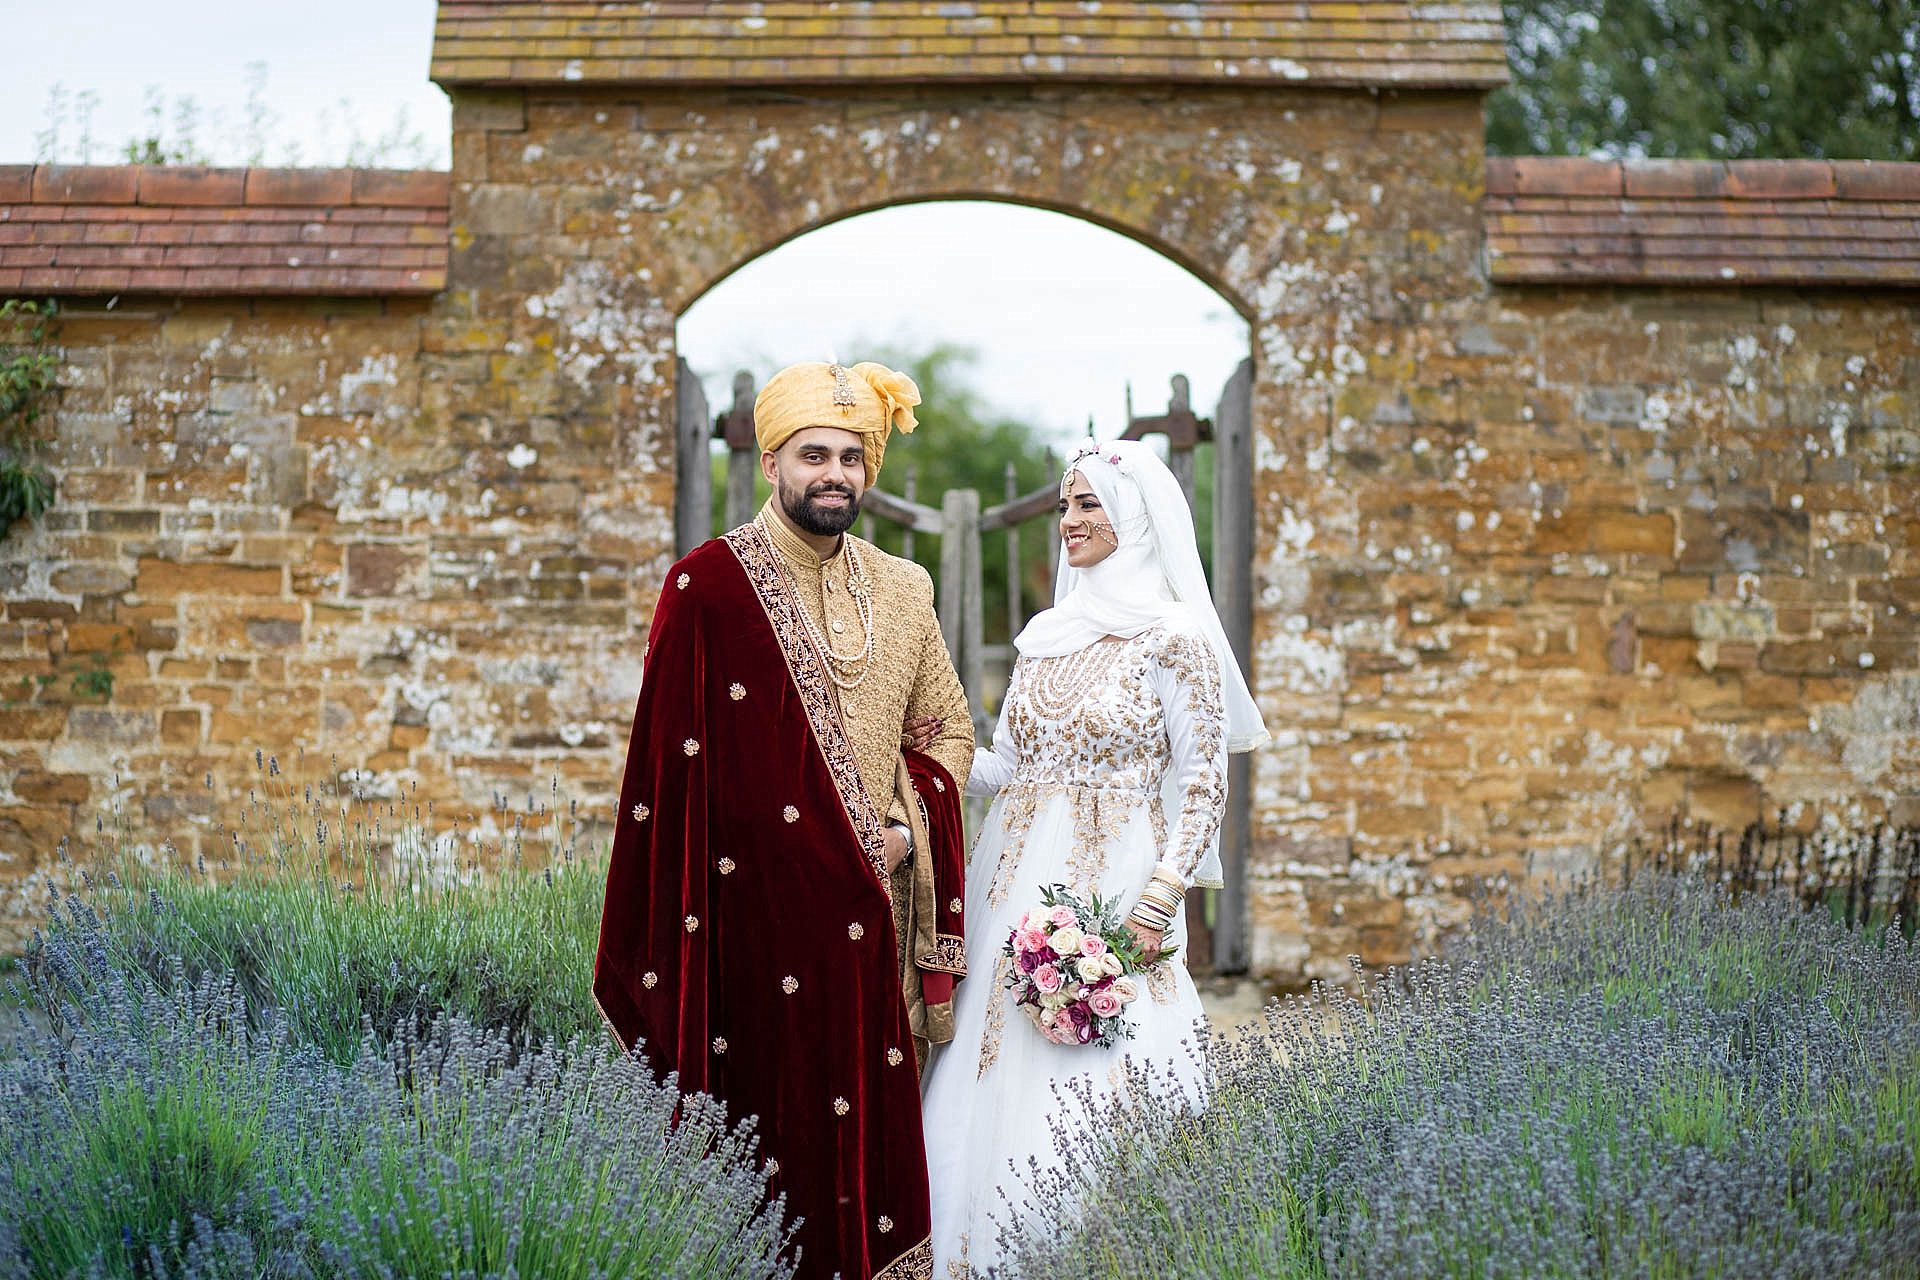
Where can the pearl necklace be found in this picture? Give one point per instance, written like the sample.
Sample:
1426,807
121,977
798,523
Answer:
847,670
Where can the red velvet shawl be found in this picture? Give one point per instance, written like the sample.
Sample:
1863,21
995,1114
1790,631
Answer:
747,940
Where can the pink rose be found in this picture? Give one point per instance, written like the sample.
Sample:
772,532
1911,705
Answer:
1104,1003
1031,939
1092,945
1125,990
1061,917
1047,979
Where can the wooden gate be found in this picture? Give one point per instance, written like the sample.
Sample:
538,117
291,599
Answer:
1217,922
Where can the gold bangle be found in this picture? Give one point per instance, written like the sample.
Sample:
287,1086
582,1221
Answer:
1159,891
1150,915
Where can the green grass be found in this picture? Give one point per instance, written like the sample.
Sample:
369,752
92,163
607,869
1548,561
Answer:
338,927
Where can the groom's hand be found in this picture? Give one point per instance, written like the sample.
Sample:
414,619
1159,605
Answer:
894,846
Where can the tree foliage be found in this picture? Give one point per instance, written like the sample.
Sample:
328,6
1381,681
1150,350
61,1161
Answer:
1724,79
28,367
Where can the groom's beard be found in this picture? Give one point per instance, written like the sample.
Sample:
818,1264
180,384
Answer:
811,517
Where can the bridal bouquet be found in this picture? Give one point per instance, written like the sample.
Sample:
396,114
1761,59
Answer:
1073,967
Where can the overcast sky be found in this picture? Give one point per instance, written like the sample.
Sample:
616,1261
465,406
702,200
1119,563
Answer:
1063,314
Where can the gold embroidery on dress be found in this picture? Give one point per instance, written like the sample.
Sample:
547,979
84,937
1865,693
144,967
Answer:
1191,662
1100,815
997,997
1058,687
1087,724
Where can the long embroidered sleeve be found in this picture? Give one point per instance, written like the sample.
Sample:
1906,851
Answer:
1186,675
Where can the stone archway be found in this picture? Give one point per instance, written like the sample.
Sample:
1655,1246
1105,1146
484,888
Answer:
595,199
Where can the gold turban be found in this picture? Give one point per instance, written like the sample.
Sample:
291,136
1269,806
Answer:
867,399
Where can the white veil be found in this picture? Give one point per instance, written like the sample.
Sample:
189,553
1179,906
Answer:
1153,577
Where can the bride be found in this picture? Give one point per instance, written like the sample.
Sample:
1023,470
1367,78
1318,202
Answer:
1109,768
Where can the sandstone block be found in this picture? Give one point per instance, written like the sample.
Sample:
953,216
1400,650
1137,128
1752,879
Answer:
382,569
106,726
39,787
31,724
165,579
181,726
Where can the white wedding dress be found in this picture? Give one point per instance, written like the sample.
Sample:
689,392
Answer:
1106,762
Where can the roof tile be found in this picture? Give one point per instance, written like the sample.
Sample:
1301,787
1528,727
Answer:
1345,42
134,228
1744,222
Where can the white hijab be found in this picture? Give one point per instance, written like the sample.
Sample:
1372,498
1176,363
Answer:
1152,578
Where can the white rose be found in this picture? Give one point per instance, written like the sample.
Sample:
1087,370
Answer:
1111,963
1057,1000
1126,990
1065,942
1091,968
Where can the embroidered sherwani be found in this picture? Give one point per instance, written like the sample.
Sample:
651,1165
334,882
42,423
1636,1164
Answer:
749,936
908,675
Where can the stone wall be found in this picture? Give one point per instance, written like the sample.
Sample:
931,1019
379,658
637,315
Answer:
1566,564
1535,567
370,534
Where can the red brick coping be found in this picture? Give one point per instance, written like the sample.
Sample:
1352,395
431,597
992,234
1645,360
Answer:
1407,43
1787,222
87,229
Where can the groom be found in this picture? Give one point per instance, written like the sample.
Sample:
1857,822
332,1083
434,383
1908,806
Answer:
783,914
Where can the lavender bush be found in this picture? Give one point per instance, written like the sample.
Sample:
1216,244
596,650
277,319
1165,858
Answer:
341,911
1642,1081
172,1129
